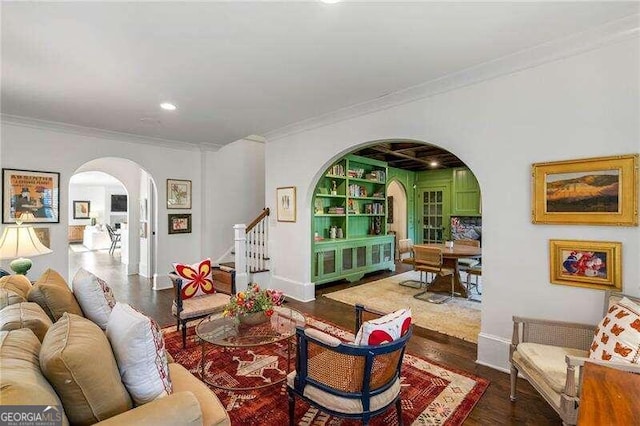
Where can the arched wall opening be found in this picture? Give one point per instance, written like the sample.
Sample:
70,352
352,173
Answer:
397,204
139,252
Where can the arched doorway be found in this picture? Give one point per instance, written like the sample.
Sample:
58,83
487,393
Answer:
397,209
443,191
131,211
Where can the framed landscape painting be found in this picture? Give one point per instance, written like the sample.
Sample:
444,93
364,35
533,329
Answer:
30,191
591,191
594,264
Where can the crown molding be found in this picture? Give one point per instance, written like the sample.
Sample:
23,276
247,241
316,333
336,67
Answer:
594,38
60,127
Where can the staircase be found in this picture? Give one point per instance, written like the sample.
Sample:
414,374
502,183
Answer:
250,251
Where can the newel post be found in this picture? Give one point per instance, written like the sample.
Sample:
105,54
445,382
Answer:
240,242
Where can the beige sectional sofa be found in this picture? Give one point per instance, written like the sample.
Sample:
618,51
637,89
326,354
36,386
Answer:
52,361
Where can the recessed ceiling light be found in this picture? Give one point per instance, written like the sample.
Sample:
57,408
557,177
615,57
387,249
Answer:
168,106
433,164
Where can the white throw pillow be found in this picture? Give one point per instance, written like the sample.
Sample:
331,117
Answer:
138,346
384,329
94,297
617,337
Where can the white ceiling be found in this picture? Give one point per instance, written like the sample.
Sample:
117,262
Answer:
240,68
94,179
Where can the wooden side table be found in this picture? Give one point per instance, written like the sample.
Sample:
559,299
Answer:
608,397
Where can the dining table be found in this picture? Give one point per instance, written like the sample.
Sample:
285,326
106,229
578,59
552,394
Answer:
450,256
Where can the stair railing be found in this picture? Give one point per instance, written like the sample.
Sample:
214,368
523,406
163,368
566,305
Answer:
251,246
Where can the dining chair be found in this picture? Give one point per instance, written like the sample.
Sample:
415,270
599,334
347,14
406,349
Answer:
429,259
405,246
115,238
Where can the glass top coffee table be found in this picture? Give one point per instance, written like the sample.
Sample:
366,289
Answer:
258,349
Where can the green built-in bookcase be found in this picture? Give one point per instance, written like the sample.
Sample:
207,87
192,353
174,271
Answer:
351,196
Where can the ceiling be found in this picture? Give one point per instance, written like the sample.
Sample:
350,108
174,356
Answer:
241,68
413,156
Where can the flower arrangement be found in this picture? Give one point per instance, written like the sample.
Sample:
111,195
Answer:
253,300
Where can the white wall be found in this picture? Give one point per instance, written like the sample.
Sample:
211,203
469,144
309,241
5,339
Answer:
59,150
399,224
234,187
578,106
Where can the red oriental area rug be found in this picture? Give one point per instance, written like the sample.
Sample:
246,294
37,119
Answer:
431,394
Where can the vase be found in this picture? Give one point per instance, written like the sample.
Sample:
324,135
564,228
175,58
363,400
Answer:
253,318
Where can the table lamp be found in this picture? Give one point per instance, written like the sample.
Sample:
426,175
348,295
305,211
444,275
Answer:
18,241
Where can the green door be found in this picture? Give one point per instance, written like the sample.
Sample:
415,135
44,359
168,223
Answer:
434,215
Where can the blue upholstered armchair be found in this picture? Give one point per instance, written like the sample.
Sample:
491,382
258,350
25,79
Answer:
344,379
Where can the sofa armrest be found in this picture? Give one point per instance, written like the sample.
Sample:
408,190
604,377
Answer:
179,408
553,333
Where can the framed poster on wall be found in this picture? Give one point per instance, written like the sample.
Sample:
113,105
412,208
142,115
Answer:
30,191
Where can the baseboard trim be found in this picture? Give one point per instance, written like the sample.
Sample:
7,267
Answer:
302,292
161,282
493,352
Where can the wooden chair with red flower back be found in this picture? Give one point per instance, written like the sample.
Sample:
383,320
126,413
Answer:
353,380
200,290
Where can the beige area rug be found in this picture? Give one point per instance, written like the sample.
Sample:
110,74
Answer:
458,317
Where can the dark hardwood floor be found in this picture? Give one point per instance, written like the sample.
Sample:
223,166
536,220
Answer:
493,408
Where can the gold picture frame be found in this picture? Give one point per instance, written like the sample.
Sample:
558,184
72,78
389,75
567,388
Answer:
590,191
286,202
592,264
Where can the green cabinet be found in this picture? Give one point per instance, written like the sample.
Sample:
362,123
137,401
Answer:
351,198
351,258
466,194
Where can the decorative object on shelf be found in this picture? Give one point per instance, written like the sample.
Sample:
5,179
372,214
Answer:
593,264
286,202
180,223
254,305
44,236
319,207
32,192
389,209
334,188
81,209
18,241
593,191
333,232
339,233
376,225
178,194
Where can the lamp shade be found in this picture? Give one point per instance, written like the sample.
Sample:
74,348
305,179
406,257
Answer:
21,241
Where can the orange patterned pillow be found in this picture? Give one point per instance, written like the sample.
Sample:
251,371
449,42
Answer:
617,337
196,277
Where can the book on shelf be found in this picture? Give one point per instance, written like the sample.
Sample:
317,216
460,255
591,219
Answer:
376,176
336,170
335,210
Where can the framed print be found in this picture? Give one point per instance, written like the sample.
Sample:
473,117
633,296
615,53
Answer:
43,236
143,229
178,194
81,209
179,223
286,201
593,264
390,209
30,191
591,191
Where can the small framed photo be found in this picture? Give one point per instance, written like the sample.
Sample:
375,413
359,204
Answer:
178,194
81,209
593,264
590,191
286,202
180,223
30,191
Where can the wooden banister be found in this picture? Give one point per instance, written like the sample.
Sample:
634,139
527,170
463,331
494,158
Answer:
265,213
